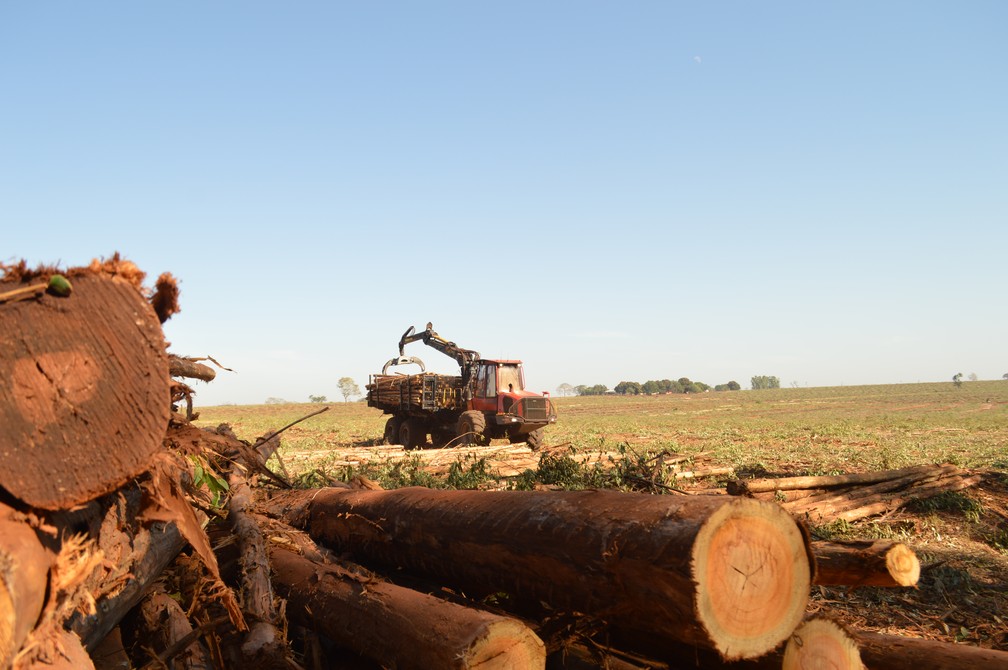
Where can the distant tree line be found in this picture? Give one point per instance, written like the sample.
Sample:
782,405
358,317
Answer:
663,386
650,387
765,382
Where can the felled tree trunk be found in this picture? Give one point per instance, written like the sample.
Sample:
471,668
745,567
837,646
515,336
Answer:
264,644
85,398
24,569
890,652
865,563
726,573
398,627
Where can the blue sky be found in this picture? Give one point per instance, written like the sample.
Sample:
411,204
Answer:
609,191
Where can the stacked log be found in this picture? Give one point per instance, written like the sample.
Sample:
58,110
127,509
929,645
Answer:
730,575
407,390
856,496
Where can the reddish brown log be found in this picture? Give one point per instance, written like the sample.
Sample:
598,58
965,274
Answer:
86,393
730,574
152,550
865,563
399,627
24,569
179,366
889,652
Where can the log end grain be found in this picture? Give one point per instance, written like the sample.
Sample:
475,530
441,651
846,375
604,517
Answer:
86,397
505,644
903,565
752,570
821,644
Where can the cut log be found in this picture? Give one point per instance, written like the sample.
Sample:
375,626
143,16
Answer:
730,574
890,652
865,563
746,486
886,502
851,497
24,571
179,366
399,627
86,393
154,549
821,643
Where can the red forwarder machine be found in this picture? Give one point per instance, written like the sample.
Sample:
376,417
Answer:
487,400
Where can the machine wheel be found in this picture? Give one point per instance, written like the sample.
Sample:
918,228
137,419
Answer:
441,437
412,433
391,435
472,428
534,439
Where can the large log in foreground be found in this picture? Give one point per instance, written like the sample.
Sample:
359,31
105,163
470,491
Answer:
398,627
729,574
85,397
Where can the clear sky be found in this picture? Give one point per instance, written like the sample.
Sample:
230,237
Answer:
607,190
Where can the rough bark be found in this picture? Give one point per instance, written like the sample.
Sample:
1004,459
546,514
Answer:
865,563
86,393
890,652
881,503
24,571
399,627
731,574
62,651
163,623
852,497
263,644
153,550
747,486
179,366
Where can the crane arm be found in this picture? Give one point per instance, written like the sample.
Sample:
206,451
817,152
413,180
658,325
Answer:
464,357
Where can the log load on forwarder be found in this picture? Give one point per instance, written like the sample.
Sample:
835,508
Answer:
487,400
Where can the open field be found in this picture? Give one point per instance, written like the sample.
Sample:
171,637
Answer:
785,431
961,538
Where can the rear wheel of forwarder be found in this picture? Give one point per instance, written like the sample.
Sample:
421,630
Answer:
472,428
391,435
534,439
412,433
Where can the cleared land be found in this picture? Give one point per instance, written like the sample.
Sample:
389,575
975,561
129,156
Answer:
647,442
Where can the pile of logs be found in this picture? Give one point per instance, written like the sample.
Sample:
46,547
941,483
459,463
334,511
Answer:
407,390
131,538
855,496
